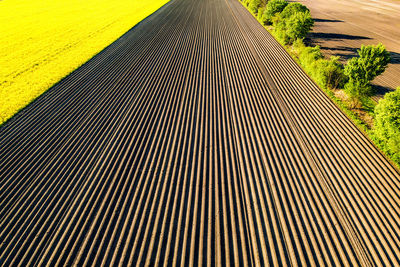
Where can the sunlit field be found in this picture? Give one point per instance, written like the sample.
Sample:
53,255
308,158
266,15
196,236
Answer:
43,41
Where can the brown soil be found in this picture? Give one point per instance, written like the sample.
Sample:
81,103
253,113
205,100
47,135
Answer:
193,140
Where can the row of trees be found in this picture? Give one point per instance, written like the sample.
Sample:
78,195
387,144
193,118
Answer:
291,22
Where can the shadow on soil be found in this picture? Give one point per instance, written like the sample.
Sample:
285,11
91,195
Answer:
395,58
328,20
335,36
346,53
381,90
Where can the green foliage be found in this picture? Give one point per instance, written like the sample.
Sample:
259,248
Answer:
272,8
246,2
298,25
298,46
254,5
327,73
387,123
293,23
373,59
371,62
260,13
357,88
292,9
308,55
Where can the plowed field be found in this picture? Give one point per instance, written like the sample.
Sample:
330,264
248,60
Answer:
194,139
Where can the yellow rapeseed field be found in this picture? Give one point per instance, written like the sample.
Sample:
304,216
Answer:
41,41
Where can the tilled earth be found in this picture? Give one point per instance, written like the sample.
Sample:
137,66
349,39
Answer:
194,139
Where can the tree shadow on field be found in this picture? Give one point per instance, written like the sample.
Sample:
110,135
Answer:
380,91
344,52
335,36
328,20
318,38
395,58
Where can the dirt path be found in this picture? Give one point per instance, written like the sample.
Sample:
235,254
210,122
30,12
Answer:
193,139
342,26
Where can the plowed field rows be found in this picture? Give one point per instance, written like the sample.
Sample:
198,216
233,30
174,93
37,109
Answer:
194,139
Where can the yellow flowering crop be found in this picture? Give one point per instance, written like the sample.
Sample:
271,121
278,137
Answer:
42,41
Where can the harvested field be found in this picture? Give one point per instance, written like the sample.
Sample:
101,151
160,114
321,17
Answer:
194,139
342,26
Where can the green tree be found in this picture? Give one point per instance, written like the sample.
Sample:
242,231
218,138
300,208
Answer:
254,5
298,25
387,122
371,62
293,27
292,9
272,8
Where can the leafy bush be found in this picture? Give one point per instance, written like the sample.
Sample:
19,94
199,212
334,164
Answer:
254,5
272,8
292,9
298,25
308,55
327,73
356,88
298,46
260,13
293,23
387,122
246,2
371,62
